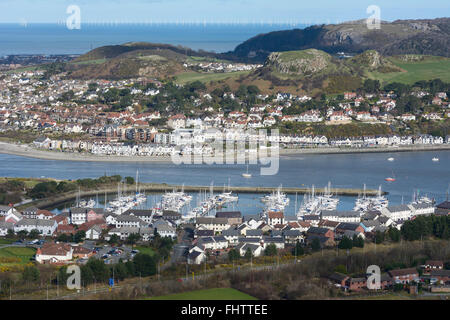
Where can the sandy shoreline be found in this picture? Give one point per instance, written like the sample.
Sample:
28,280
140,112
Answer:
27,151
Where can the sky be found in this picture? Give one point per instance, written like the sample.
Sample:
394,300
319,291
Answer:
217,11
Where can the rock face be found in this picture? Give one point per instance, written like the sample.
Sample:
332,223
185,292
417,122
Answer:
298,62
429,37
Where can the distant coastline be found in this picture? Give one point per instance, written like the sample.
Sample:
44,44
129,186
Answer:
28,151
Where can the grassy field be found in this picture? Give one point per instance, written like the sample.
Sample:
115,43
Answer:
208,294
428,69
145,250
6,241
207,77
20,254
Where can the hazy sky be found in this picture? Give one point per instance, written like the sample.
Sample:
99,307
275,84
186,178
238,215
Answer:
287,11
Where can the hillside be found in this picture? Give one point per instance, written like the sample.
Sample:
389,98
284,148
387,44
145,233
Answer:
428,37
313,69
133,60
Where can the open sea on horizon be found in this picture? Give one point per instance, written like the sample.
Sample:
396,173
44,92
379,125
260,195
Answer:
47,39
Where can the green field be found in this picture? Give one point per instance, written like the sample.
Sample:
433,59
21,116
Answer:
6,241
22,253
207,77
428,69
145,250
208,294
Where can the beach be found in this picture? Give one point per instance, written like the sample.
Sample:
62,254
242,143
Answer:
28,151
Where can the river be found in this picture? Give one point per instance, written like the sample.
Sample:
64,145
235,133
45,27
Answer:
412,170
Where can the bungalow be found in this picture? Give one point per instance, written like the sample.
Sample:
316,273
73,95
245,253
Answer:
54,253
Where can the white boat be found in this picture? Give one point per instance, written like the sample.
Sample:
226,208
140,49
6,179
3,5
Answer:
435,159
364,203
390,159
246,174
276,201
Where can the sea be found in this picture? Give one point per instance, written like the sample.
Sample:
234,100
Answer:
415,172
56,39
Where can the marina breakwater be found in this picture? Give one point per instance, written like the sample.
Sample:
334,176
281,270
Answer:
161,188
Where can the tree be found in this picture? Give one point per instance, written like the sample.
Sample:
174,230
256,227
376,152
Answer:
298,249
79,236
22,234
379,237
30,273
99,269
248,254
144,264
315,244
271,250
394,234
34,234
345,243
233,255
358,241
87,275
114,239
129,180
133,238
120,271
63,238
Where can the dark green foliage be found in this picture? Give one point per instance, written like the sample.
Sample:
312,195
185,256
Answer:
144,265
421,227
271,250
379,237
30,273
233,255
298,249
315,244
345,243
